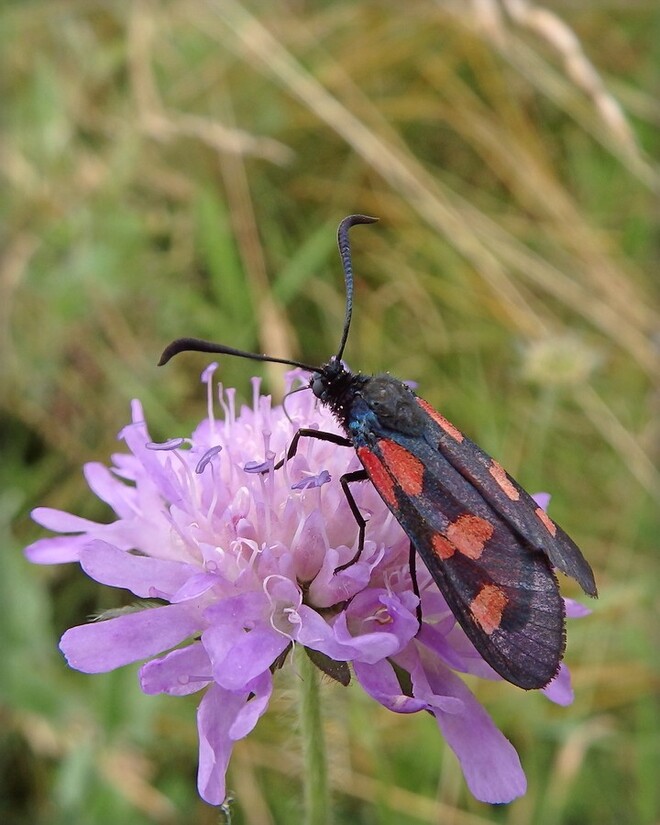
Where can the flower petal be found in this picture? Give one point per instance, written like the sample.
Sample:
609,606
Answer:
215,715
489,761
376,625
61,521
542,499
158,471
103,646
313,631
575,610
144,576
431,636
108,488
261,689
456,650
178,673
252,654
309,546
55,550
380,682
560,690
329,588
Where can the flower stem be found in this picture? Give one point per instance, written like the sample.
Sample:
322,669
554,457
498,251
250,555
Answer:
315,768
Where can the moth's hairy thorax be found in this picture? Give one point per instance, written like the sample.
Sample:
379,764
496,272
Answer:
394,405
368,405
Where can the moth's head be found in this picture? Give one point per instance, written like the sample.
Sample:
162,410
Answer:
326,381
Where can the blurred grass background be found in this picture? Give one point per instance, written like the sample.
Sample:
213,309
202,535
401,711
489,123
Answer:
180,168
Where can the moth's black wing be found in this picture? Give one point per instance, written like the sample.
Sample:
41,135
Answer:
508,498
503,592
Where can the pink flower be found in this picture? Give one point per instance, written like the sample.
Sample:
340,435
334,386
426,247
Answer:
245,560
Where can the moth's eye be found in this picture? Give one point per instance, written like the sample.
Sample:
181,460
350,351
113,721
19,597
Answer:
318,386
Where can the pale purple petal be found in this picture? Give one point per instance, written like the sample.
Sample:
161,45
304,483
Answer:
439,643
309,546
109,489
215,716
229,617
261,689
542,499
144,576
489,761
239,655
367,647
61,522
380,682
456,650
436,702
376,625
195,586
329,588
575,610
252,654
314,631
382,611
103,646
136,437
56,550
560,690
283,593
178,673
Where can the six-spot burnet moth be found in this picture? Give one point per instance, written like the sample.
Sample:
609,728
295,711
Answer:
487,544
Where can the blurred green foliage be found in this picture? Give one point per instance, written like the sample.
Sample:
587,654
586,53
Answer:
180,168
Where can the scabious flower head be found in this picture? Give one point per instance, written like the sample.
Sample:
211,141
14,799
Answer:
246,561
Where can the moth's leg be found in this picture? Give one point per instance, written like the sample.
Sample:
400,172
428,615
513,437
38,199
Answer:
345,480
333,438
412,562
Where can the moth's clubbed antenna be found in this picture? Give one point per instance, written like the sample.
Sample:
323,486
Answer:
345,253
200,345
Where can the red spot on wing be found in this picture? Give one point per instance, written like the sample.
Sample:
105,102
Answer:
503,481
439,419
378,474
442,547
469,534
488,606
547,522
406,468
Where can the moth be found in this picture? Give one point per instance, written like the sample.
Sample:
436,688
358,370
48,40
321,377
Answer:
489,547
